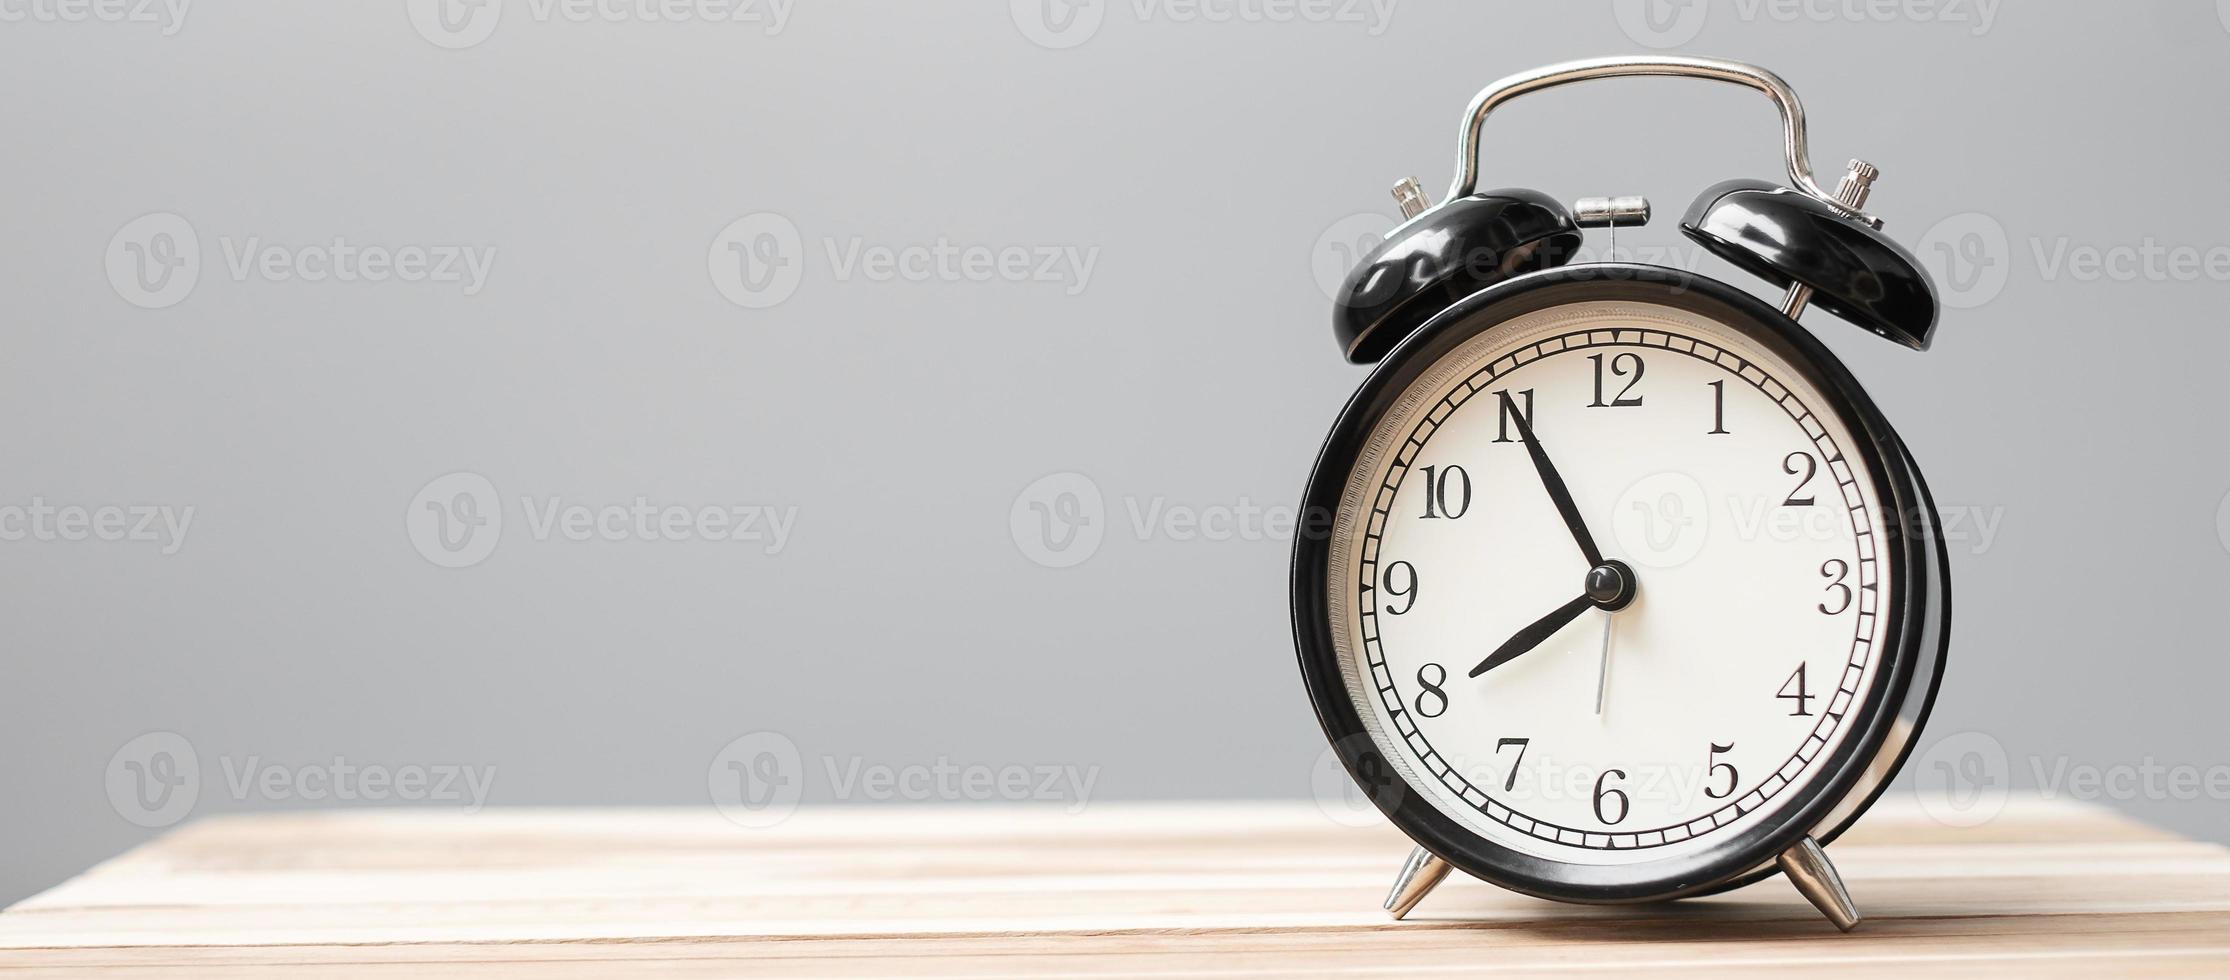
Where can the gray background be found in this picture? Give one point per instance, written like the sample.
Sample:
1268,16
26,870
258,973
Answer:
905,620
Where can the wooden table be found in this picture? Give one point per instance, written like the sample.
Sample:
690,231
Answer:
1192,890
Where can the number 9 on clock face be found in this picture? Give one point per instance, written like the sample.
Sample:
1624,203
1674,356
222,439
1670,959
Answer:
1617,584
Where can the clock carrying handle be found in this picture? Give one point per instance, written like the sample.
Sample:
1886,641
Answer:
1784,98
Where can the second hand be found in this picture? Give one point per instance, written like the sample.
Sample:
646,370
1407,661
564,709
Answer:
1603,671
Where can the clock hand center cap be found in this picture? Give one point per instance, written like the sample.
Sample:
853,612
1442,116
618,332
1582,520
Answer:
1612,585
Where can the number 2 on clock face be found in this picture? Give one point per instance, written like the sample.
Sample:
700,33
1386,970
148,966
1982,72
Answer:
1695,459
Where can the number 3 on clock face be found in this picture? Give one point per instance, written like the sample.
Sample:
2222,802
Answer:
1613,586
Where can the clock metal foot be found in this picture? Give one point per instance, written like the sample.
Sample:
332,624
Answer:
1808,869
1419,875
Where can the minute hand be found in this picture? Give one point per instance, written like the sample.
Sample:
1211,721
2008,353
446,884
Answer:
1554,483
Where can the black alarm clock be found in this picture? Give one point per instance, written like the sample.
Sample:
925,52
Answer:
1625,590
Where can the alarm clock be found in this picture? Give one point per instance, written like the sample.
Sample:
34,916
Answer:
1621,589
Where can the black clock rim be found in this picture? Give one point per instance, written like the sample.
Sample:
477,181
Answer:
1740,857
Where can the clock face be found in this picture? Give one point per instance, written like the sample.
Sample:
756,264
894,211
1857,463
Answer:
1687,680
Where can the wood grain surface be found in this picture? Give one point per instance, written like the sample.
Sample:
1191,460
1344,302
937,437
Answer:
1162,890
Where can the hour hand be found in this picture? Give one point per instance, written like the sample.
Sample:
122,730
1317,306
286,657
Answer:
1534,635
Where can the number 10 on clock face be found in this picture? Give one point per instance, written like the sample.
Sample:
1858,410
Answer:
1608,579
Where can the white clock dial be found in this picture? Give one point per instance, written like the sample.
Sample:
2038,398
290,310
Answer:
1747,525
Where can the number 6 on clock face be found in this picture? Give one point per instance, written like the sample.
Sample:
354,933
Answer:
1618,582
